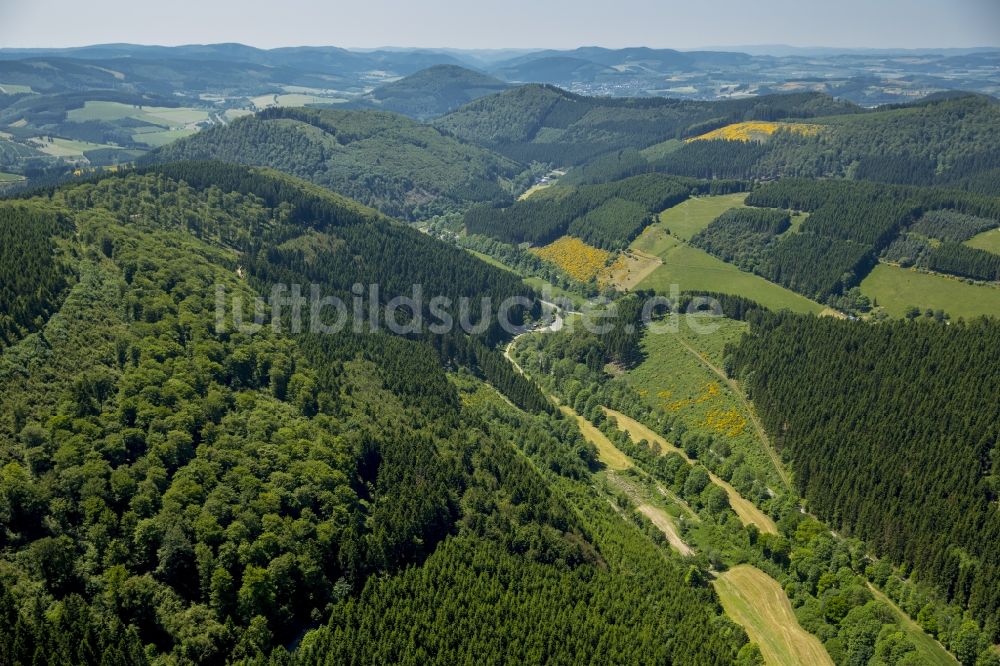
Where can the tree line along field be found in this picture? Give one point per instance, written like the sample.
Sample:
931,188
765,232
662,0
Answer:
760,614
820,256
898,289
837,607
988,240
758,603
694,269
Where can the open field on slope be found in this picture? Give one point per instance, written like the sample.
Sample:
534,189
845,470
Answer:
156,115
162,138
896,288
691,216
631,268
607,452
988,240
757,602
665,524
744,509
662,149
696,270
293,99
10,177
58,147
662,520
14,89
693,269
930,651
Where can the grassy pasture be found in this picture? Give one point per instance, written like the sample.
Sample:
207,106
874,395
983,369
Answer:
988,240
607,452
157,115
696,270
59,147
757,602
14,89
10,177
896,288
157,139
691,216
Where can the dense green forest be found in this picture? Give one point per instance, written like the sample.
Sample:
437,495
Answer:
183,481
743,236
33,272
384,160
432,92
546,124
174,492
948,225
944,142
892,431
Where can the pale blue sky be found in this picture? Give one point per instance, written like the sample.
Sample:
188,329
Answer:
511,24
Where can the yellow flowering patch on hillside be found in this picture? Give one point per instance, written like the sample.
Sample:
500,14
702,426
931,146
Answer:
581,261
756,130
711,391
729,421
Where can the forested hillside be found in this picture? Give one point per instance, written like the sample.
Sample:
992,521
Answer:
177,492
949,142
547,124
893,435
850,224
608,215
392,163
432,92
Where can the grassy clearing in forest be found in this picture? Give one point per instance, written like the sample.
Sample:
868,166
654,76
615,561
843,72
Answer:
895,289
692,215
930,651
757,602
988,240
696,270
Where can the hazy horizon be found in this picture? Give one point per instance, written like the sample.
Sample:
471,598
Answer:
512,25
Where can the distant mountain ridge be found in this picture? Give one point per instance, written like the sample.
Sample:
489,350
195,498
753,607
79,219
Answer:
432,92
866,76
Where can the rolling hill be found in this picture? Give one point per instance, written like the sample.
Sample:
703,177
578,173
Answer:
432,92
183,487
547,124
384,160
939,141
